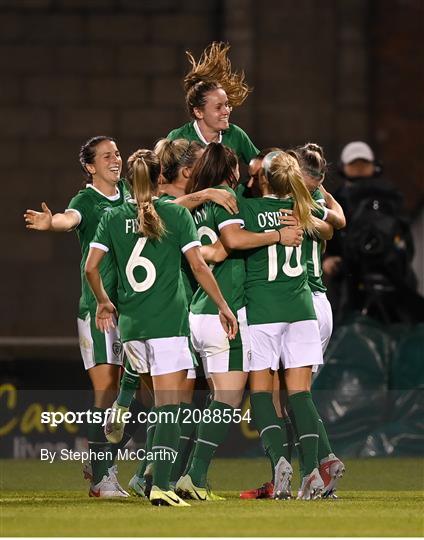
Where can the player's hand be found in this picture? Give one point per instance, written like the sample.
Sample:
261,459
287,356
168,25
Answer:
224,199
288,218
331,266
105,316
40,221
291,236
229,322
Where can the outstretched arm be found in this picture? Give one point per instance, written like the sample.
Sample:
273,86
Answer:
45,221
218,196
207,281
105,309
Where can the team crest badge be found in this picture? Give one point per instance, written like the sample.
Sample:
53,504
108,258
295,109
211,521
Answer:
117,348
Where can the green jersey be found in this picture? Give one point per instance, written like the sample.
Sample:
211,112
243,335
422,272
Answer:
210,218
151,296
91,205
276,281
313,249
190,283
233,137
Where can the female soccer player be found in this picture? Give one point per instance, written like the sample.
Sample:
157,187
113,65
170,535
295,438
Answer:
281,316
226,362
313,165
212,90
145,238
102,354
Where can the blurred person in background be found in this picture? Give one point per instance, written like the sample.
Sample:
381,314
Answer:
368,264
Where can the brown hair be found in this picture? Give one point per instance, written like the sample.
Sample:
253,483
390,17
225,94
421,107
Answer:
174,155
87,154
285,178
212,71
311,160
215,166
143,175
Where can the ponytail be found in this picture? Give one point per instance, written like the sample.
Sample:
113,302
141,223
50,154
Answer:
285,178
143,175
312,161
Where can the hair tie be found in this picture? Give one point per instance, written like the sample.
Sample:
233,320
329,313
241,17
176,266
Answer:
266,162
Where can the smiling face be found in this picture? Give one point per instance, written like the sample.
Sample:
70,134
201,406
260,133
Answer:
215,113
107,163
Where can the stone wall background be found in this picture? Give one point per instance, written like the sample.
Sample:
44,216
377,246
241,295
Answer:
329,71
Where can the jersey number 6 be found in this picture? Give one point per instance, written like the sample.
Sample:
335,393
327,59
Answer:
136,260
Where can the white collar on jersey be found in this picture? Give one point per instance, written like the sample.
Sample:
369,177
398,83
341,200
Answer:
200,135
111,197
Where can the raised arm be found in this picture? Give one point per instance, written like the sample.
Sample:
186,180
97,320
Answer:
218,196
324,229
45,221
335,214
206,280
105,309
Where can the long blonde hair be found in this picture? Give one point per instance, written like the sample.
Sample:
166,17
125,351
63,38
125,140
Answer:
285,178
143,174
211,71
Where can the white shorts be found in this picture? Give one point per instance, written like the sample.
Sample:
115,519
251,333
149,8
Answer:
218,353
324,315
159,356
296,344
98,348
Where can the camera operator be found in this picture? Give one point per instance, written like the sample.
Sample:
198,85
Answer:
368,264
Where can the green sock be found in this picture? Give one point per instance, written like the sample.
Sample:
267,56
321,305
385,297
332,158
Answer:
97,442
150,433
165,441
206,405
267,424
187,427
306,418
324,447
287,447
210,436
129,383
296,444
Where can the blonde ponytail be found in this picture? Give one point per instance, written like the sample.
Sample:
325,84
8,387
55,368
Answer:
143,175
285,178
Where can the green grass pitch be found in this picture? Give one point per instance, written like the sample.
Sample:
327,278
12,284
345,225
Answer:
378,497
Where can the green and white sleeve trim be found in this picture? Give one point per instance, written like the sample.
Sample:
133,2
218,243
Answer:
190,245
230,222
99,246
77,212
325,210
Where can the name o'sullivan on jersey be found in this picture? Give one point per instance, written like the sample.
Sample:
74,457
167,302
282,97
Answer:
66,454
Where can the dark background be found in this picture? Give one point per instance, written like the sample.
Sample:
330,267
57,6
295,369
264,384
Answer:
327,71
